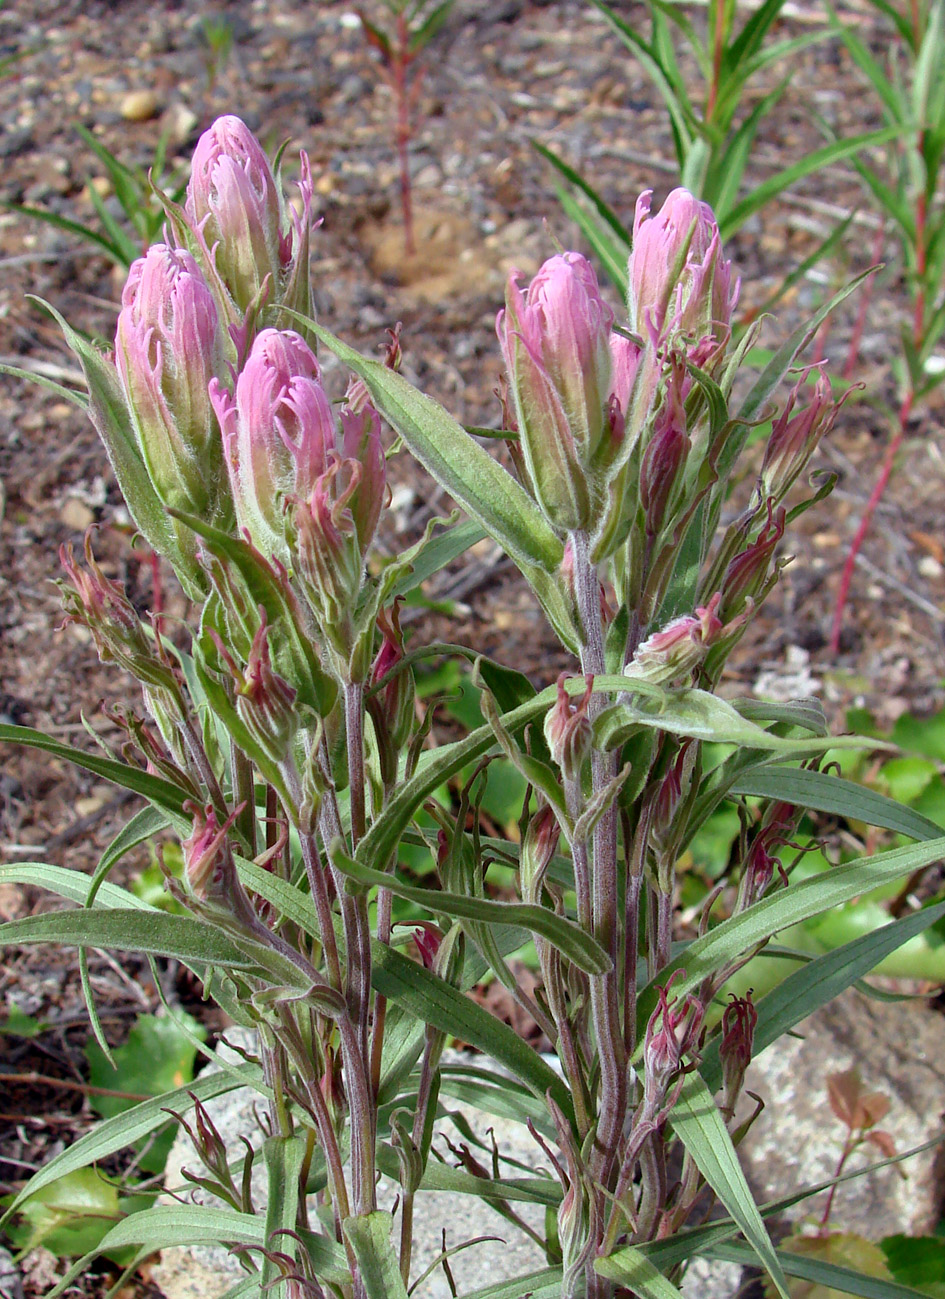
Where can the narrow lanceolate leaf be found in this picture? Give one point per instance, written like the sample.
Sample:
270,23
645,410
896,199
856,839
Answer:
790,906
436,1002
545,1284
67,394
821,792
284,1157
72,885
827,1275
369,1235
149,931
111,1135
819,981
633,1269
700,1127
437,553
568,938
109,413
160,792
456,461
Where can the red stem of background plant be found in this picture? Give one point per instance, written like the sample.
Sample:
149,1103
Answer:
905,410
841,1163
400,65
716,59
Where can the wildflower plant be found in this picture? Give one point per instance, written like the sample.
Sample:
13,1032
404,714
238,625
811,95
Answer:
280,740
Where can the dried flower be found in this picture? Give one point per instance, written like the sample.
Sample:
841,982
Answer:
568,729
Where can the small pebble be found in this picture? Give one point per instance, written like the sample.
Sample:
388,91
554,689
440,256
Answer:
929,566
75,514
139,106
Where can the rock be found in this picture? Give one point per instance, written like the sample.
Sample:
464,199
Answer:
139,106
76,515
180,122
11,1283
201,1272
899,1049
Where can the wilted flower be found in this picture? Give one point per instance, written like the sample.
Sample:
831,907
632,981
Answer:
555,338
568,729
679,281
168,348
738,1033
100,604
675,652
794,438
278,431
538,848
750,575
208,861
392,706
234,203
671,1033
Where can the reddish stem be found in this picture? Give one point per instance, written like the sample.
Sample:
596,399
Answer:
875,497
401,63
838,1172
856,338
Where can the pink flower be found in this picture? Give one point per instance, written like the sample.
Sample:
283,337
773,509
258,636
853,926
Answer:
168,347
679,281
278,431
233,200
555,338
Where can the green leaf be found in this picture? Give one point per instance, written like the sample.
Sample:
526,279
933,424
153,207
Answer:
806,166
145,930
439,551
918,1261
436,1002
456,461
790,906
819,981
67,394
73,885
110,415
162,793
633,1269
284,1157
698,1124
703,716
158,1057
128,1128
545,1284
824,793
69,1216
568,938
369,1235
821,1273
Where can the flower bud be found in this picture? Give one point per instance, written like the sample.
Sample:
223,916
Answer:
538,848
568,729
278,431
265,701
233,201
794,439
664,457
738,1032
750,576
208,861
392,706
361,444
117,632
679,282
326,555
168,347
555,338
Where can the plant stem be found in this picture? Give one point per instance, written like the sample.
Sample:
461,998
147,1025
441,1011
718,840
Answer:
401,63
876,496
